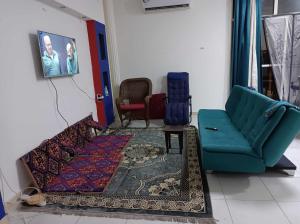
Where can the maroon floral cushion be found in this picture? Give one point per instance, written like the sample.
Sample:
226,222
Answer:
51,163
93,124
44,162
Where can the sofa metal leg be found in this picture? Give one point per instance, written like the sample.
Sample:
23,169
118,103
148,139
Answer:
290,172
284,165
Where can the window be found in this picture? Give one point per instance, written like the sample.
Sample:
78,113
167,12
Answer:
267,7
290,9
288,6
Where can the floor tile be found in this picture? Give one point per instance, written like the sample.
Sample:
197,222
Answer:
221,212
258,212
142,124
194,120
293,154
57,219
291,209
21,217
214,187
244,187
100,220
132,221
284,189
295,143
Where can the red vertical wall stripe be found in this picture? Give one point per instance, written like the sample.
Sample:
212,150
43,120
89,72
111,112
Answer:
96,70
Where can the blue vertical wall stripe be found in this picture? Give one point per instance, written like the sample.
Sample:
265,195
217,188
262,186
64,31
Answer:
2,212
104,65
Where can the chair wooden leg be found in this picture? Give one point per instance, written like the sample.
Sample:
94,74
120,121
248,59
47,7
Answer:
121,119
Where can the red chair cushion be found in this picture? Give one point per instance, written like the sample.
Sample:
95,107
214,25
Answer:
132,106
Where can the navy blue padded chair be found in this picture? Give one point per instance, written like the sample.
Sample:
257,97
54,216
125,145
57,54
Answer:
179,105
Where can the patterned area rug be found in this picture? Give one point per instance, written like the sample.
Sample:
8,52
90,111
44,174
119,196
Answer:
148,184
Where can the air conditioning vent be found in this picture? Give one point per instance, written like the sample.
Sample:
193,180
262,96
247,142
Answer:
150,5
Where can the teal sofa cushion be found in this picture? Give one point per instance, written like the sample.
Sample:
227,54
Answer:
247,111
230,162
226,139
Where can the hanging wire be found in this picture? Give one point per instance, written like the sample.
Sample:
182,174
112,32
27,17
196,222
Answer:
56,101
76,84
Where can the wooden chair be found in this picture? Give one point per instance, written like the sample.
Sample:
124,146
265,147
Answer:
133,101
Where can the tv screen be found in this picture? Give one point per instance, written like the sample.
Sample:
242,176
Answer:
58,55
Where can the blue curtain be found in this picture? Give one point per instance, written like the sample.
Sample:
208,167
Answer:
258,44
241,42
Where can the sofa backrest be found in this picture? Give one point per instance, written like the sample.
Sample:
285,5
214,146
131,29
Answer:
246,109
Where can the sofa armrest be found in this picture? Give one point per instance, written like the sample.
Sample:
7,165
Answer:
281,137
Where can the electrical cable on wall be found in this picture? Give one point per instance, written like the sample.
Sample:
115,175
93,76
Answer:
91,98
56,101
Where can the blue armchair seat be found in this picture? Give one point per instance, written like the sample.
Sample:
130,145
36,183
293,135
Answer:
177,113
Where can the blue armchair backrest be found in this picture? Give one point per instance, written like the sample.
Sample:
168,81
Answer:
178,87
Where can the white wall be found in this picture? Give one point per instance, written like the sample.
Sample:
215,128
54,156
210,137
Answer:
196,40
91,8
28,114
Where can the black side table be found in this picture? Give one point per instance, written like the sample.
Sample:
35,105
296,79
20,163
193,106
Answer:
173,129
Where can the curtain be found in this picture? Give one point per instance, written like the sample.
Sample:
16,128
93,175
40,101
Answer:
294,95
283,40
279,41
245,54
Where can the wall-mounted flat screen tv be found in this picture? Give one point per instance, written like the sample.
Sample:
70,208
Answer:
58,55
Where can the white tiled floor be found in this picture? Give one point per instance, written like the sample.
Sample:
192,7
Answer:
236,198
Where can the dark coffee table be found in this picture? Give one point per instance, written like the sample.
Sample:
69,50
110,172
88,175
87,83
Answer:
173,129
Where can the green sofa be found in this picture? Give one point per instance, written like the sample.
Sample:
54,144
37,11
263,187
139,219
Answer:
250,135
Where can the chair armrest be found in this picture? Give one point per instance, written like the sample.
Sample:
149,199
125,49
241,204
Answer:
191,109
147,100
118,101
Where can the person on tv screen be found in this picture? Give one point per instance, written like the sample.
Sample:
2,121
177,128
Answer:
50,59
72,60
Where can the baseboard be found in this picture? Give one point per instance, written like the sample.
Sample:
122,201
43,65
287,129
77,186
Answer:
4,220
